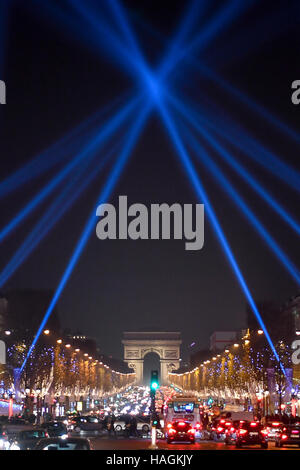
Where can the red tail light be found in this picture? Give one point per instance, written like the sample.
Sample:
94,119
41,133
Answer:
220,429
169,425
264,432
191,431
243,432
275,424
172,431
181,423
253,424
198,426
46,434
284,436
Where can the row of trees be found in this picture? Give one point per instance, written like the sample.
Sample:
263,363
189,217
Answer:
59,369
240,371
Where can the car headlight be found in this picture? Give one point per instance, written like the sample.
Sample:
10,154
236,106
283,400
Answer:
4,444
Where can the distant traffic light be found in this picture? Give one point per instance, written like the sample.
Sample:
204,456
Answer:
154,384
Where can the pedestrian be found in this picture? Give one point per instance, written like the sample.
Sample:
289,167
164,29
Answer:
111,426
133,427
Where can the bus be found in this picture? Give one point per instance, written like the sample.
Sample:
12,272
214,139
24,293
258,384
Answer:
184,408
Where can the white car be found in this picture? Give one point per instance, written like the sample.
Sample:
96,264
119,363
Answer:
143,424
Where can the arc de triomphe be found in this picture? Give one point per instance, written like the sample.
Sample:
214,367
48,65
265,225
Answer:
137,344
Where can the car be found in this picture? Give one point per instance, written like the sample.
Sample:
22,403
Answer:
121,422
27,440
143,423
4,442
180,431
289,434
219,428
71,443
251,433
86,423
63,419
273,428
55,429
231,432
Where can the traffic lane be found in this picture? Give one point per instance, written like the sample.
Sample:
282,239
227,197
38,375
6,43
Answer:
106,443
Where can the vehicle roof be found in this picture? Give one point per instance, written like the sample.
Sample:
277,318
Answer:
68,439
31,429
184,398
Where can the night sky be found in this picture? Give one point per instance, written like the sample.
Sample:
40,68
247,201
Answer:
54,82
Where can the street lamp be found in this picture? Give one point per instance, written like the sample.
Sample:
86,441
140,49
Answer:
46,332
260,332
59,341
38,411
7,332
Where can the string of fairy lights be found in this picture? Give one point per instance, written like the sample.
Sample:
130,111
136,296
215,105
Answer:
240,368
44,362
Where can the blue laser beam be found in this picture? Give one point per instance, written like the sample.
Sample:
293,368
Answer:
201,193
219,22
90,225
177,143
104,40
57,152
240,139
243,98
246,211
82,177
97,37
275,22
101,137
132,54
194,12
228,157
145,74
205,70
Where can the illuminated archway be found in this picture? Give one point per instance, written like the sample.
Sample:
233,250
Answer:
137,344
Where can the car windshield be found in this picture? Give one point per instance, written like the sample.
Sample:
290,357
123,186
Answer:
92,419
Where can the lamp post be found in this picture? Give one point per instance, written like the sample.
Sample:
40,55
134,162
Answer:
38,391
